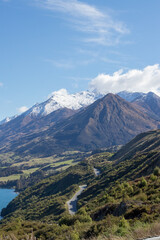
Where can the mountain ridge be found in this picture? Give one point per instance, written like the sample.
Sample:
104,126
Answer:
108,121
58,100
62,99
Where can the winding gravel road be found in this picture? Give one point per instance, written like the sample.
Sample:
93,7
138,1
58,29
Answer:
72,203
97,172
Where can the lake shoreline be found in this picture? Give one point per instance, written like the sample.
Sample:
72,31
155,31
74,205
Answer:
7,195
8,185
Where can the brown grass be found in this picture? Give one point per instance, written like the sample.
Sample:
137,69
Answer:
140,233
151,231
12,237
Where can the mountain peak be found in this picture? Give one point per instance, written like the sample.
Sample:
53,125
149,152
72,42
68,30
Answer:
106,122
131,96
59,100
7,119
110,97
62,99
153,95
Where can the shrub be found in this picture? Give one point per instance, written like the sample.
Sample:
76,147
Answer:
74,236
82,211
143,183
123,228
124,223
153,177
142,197
157,171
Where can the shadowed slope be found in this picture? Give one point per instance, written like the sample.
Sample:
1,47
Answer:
107,122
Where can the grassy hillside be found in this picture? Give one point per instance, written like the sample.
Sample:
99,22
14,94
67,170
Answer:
124,201
136,159
46,200
126,211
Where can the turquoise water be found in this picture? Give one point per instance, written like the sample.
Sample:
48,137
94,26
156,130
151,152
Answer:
6,196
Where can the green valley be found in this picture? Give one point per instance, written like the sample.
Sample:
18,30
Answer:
123,202
13,167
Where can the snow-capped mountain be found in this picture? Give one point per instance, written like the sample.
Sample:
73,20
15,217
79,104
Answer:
7,119
108,121
62,99
131,96
59,118
59,100
146,102
150,102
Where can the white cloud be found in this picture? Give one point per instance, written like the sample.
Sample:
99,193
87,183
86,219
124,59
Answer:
22,109
100,27
134,80
60,64
1,84
67,64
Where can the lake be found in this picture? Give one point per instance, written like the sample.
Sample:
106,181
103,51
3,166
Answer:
6,196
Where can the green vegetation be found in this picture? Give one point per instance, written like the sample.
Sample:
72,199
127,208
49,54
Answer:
46,200
10,178
13,167
127,210
122,203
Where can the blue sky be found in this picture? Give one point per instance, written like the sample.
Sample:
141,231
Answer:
46,45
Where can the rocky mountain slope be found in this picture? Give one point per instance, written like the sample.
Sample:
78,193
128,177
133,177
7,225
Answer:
146,102
26,124
109,121
131,96
58,100
62,99
150,103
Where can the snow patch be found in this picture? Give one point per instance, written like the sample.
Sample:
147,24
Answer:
62,99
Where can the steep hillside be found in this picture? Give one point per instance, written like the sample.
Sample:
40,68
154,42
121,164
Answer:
131,96
146,102
142,144
149,103
46,200
136,159
123,201
26,124
107,122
